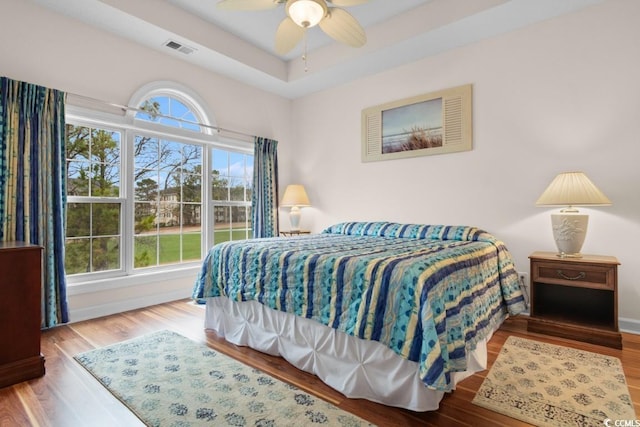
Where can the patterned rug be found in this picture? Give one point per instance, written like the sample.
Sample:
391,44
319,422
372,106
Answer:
169,380
550,385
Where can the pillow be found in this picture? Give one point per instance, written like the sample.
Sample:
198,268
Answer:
410,231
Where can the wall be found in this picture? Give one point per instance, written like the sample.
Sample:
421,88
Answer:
558,96
45,48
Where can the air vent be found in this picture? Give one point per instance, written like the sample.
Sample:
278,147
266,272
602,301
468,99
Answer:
179,47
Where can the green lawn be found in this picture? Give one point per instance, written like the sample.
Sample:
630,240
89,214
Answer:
106,251
145,246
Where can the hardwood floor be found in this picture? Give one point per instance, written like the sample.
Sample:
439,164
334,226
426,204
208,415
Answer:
68,396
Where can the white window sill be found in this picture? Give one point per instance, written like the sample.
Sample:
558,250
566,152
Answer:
103,284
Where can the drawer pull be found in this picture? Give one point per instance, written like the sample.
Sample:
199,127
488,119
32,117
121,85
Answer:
580,275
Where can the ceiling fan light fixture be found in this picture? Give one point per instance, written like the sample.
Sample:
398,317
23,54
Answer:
306,13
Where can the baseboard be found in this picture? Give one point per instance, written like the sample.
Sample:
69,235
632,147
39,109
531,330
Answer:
114,307
631,326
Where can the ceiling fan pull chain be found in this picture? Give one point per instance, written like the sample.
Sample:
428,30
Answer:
304,54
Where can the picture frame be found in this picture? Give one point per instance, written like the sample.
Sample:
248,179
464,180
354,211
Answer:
434,123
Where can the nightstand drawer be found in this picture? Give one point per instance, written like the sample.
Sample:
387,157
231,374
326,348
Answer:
601,277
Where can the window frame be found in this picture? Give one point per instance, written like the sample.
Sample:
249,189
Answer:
113,119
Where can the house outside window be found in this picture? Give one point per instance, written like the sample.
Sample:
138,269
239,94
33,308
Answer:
138,194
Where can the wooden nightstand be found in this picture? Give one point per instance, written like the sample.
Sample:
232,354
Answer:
575,298
294,233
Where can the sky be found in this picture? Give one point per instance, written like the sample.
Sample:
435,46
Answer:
427,114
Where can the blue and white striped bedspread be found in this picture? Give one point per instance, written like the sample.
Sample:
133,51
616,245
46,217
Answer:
428,292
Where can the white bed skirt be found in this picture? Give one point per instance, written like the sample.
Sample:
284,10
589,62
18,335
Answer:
355,367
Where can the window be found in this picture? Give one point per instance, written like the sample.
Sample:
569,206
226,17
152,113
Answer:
231,179
94,205
168,202
136,186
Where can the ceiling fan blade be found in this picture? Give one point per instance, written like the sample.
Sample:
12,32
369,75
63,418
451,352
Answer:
341,26
247,4
347,3
288,36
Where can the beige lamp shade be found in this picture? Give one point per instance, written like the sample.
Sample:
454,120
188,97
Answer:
569,225
572,189
295,195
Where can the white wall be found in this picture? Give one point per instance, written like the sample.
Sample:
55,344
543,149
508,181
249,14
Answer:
42,47
561,95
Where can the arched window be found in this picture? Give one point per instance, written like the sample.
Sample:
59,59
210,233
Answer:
140,196
173,105
168,111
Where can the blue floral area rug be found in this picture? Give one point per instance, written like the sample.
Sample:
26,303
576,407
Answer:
169,380
552,385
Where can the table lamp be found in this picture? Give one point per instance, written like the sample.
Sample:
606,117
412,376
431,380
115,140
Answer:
295,197
569,225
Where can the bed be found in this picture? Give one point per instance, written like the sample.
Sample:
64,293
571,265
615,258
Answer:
394,313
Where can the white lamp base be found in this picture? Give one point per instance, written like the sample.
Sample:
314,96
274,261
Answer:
294,218
569,231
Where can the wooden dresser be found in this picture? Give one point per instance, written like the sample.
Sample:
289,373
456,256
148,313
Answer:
20,316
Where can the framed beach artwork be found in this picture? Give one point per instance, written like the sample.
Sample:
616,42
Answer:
433,123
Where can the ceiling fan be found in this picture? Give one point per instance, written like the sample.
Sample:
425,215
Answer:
337,23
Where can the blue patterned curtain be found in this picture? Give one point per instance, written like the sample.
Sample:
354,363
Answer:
32,182
264,203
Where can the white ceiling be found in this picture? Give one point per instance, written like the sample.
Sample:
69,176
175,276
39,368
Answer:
239,44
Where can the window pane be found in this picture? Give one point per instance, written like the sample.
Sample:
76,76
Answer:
105,254
192,249
222,224
169,248
168,111
169,210
78,178
77,144
106,219
146,154
190,126
151,108
192,159
78,219
93,162
77,256
178,109
105,163
236,164
192,233
105,146
191,188
93,237
191,216
145,217
219,185
105,180
146,188
236,188
239,226
220,161
145,251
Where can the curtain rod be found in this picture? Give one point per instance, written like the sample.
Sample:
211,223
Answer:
126,108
